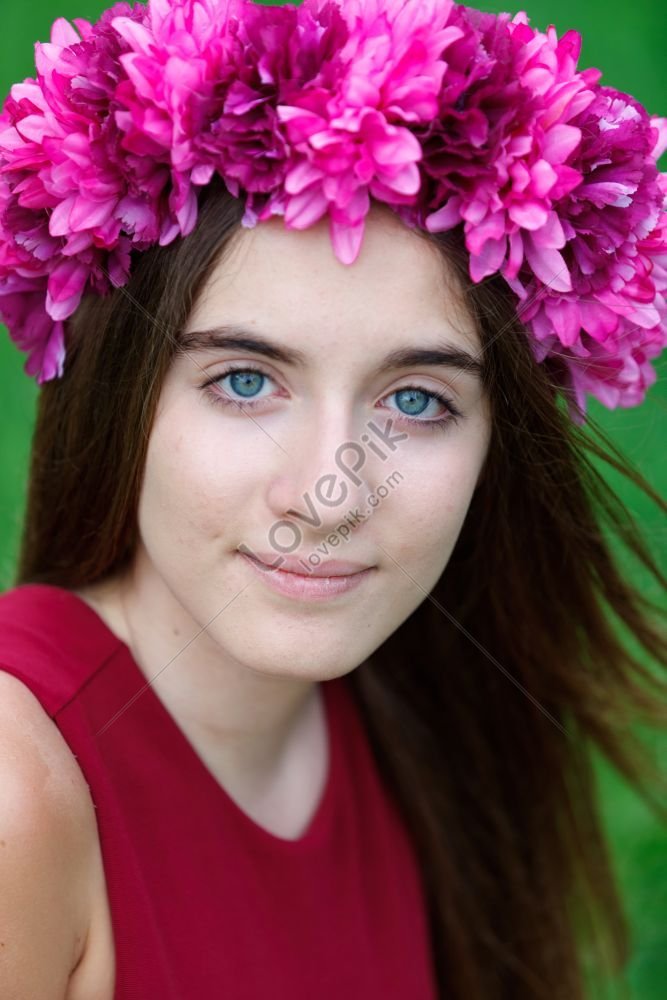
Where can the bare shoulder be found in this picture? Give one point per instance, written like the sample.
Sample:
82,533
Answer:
49,853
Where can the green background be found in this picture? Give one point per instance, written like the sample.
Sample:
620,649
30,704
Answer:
628,41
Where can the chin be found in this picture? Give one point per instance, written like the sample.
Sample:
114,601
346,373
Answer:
306,666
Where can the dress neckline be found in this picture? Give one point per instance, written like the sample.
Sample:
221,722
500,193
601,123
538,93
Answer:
319,823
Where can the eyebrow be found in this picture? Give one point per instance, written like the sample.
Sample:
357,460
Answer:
234,337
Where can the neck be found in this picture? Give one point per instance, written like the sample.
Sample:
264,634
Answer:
249,727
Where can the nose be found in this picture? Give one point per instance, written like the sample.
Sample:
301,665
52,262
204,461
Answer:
327,474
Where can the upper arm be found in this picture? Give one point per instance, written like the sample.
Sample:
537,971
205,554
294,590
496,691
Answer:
46,843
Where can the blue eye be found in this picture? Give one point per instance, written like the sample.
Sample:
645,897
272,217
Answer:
247,381
419,398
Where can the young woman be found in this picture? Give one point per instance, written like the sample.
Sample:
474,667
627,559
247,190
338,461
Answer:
314,625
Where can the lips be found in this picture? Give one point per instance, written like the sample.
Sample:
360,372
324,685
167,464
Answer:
301,587
303,567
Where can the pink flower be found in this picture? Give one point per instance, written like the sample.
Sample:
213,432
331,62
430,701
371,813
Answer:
61,189
614,223
22,294
512,95
33,330
274,52
554,180
615,379
349,132
450,116
176,59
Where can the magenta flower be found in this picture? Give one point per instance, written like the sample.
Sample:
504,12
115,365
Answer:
61,189
510,103
349,134
176,60
450,116
277,54
555,182
614,224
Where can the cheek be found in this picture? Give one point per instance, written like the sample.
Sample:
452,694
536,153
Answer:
191,485
433,514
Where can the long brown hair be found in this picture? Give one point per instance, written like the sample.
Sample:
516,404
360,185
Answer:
484,706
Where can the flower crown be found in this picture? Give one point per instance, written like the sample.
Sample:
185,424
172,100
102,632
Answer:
449,115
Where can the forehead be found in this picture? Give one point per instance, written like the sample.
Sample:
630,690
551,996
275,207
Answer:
286,280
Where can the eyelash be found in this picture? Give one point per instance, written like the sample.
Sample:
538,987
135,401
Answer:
440,423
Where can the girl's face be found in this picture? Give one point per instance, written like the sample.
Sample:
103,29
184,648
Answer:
316,447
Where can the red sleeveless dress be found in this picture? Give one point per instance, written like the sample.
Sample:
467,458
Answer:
206,903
